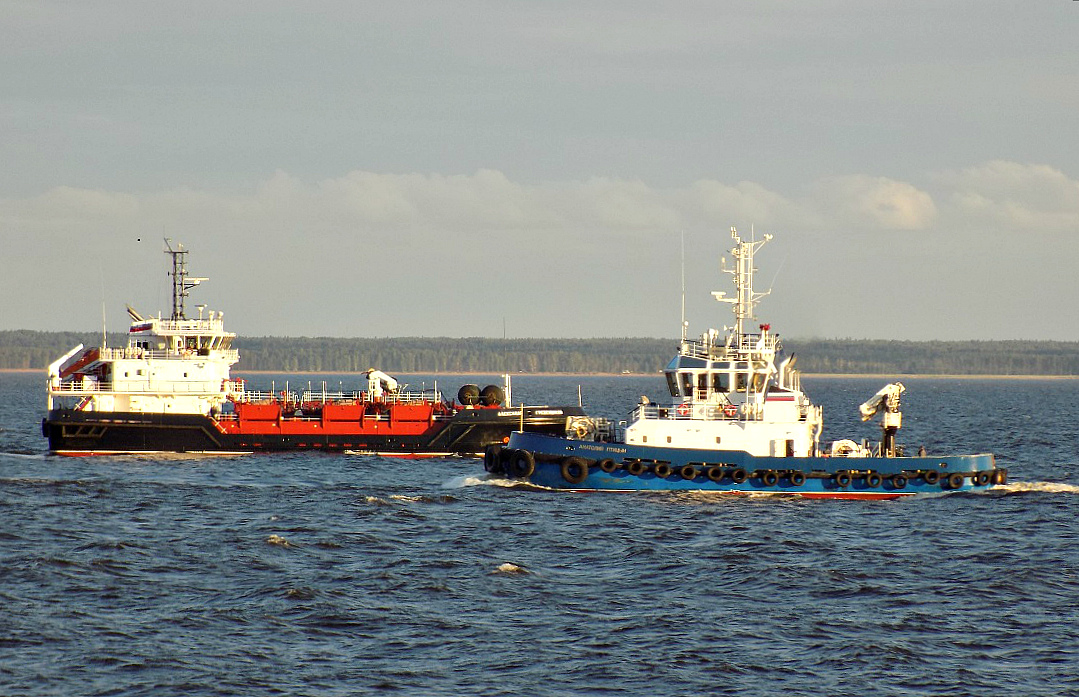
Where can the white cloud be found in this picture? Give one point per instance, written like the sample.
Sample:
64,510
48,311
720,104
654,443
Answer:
874,202
290,256
1014,197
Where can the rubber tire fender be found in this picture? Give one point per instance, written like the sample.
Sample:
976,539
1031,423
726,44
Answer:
715,474
955,480
662,470
523,464
873,480
769,477
842,479
931,476
492,458
899,481
636,468
688,472
738,475
798,478
574,470
608,465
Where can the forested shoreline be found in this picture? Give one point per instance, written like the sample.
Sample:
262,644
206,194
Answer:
32,350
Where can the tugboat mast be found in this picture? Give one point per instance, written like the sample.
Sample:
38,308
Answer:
743,280
181,283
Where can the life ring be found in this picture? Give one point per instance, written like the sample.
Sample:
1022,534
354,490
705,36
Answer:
872,480
730,411
899,481
636,468
955,480
492,458
798,478
574,470
682,409
738,475
714,473
688,472
931,476
769,477
523,464
662,470
608,465
842,478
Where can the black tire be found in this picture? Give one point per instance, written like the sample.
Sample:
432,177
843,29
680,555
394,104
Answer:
688,472
574,470
492,458
469,395
999,476
522,465
955,480
738,475
872,480
769,477
797,478
983,478
608,465
662,470
635,468
492,395
715,474
842,478
931,476
899,481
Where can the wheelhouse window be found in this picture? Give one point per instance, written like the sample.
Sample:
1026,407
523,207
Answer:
721,382
672,384
687,383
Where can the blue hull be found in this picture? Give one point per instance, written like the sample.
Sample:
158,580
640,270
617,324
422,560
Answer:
562,463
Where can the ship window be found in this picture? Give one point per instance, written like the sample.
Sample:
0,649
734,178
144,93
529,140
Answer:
668,439
138,372
687,383
717,440
721,382
702,384
672,384
644,439
740,382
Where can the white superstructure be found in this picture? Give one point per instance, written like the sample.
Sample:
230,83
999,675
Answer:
732,390
170,365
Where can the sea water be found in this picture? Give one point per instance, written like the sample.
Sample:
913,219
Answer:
329,574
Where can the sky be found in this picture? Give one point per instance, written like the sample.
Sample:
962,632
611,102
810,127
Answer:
534,169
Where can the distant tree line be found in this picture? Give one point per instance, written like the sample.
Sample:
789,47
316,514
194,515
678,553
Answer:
23,349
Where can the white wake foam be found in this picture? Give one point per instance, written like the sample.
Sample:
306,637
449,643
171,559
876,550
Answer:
1045,487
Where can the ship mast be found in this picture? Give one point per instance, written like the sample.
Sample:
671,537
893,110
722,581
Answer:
743,270
181,282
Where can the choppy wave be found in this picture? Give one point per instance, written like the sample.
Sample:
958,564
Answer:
310,574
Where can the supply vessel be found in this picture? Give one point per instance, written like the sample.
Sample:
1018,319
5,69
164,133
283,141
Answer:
170,390
738,422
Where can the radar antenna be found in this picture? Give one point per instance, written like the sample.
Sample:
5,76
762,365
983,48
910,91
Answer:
743,270
181,282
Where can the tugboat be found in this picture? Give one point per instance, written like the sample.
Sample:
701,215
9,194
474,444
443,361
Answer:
739,422
170,390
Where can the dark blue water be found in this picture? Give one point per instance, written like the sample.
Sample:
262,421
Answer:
317,574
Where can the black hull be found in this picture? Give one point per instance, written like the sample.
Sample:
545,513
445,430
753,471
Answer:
468,432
